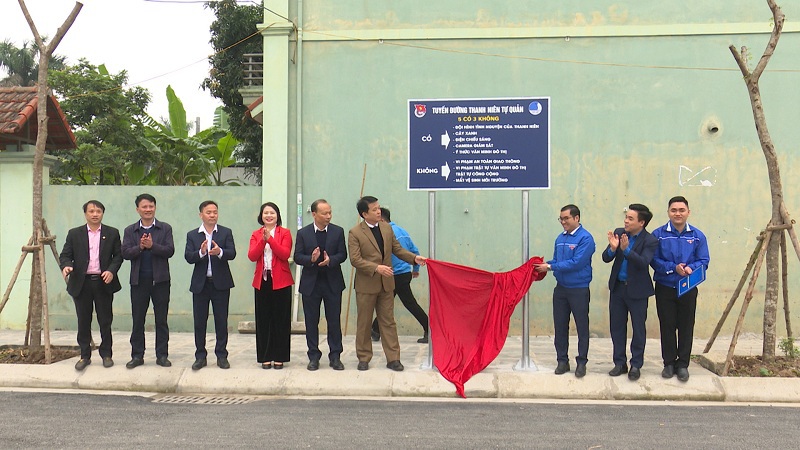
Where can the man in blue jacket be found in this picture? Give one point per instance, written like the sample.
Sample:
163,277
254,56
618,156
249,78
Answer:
682,249
572,267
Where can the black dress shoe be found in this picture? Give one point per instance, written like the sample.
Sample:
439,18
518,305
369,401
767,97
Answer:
395,365
618,370
668,372
223,363
562,368
107,362
278,365
363,365
163,361
376,336
683,373
313,365
634,374
423,339
580,371
199,364
337,364
134,362
82,363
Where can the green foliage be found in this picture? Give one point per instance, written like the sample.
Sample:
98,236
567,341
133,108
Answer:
21,64
234,34
106,118
764,372
180,159
788,348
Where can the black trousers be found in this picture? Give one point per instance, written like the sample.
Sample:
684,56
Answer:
676,315
573,301
402,289
620,304
273,322
94,296
219,300
333,309
141,294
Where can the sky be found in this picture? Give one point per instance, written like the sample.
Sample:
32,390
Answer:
158,43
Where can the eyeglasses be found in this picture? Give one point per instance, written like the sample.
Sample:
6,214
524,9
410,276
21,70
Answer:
564,219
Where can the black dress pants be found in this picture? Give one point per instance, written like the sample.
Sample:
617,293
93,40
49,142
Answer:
273,322
676,315
322,294
219,300
573,301
141,294
94,296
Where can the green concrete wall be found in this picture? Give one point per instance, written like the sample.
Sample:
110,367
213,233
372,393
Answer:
634,88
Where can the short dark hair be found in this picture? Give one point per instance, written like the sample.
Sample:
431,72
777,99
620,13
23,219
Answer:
95,203
363,204
386,214
678,199
642,212
147,197
316,203
573,210
273,206
206,203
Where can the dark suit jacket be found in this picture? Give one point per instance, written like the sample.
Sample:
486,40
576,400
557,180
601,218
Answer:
220,270
75,254
337,252
163,248
365,256
640,285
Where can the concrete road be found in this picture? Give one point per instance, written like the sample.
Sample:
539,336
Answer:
79,420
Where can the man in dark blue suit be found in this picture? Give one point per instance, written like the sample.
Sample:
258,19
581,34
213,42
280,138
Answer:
209,248
631,248
321,250
91,258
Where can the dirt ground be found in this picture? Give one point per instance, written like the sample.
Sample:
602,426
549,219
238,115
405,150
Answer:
18,354
753,366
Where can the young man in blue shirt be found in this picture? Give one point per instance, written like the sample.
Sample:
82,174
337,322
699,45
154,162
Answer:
572,267
682,249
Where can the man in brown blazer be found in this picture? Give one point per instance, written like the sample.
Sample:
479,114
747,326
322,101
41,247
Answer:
371,244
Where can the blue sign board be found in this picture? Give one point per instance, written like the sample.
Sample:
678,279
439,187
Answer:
479,144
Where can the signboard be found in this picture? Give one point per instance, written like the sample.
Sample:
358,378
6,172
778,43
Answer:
479,144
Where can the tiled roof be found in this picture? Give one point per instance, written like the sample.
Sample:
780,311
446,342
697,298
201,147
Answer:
18,109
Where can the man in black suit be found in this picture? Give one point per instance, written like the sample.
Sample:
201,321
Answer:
209,248
148,244
320,249
91,258
631,248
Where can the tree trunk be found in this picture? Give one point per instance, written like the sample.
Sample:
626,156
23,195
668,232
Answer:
45,51
773,170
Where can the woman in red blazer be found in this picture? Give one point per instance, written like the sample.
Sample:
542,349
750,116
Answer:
270,248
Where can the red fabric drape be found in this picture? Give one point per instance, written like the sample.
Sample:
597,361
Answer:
470,310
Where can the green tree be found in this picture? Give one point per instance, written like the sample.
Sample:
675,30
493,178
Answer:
233,34
21,64
107,119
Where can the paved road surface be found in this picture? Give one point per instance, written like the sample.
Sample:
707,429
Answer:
61,420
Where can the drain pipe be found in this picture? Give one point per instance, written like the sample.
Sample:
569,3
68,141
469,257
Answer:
297,325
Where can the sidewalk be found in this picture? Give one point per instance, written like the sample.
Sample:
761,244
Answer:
499,380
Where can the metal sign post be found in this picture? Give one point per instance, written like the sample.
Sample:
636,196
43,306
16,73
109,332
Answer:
525,363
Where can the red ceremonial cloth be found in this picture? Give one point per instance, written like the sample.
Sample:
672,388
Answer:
469,314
